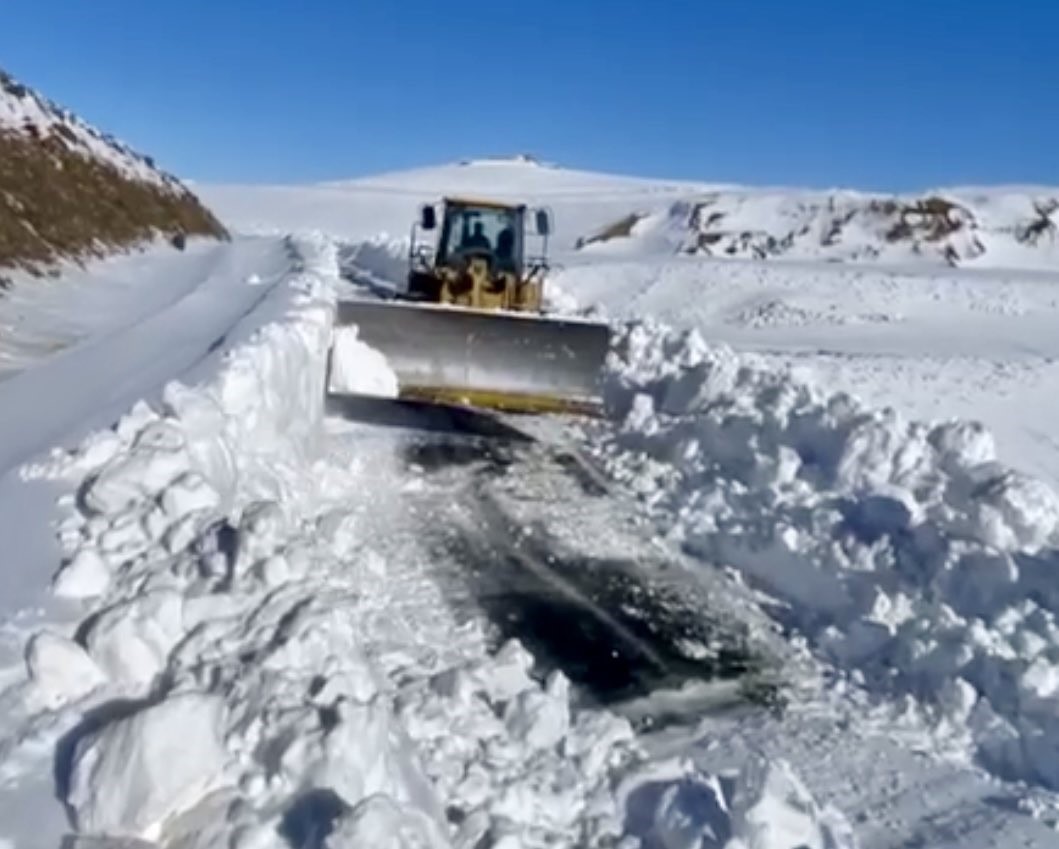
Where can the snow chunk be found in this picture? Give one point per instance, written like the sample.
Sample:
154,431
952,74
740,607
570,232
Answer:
356,757
541,719
358,369
187,494
85,576
60,669
764,806
137,772
381,823
131,641
261,529
508,672
771,809
156,459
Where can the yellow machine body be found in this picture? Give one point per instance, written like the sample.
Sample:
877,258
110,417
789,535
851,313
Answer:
470,328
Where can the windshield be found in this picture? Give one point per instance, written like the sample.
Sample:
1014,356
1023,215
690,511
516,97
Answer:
481,229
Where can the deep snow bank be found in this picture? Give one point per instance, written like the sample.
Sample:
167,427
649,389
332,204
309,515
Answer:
207,626
903,551
245,675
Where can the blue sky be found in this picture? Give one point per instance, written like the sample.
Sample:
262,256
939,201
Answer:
889,95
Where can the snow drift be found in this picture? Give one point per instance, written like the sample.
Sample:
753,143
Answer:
221,603
904,553
152,548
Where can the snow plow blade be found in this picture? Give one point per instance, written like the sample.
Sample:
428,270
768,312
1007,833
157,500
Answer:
515,362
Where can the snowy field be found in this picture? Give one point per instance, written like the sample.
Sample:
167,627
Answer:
797,590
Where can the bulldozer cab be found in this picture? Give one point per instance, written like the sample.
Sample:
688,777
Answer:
494,232
479,259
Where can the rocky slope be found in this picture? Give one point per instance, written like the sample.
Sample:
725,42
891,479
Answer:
70,192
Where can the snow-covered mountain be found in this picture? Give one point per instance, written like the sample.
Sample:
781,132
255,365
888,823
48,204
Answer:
70,191
617,215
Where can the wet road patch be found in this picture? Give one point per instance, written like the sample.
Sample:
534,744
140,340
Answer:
602,623
620,628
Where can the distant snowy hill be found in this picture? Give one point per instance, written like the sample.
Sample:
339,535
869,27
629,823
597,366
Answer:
388,203
632,216
69,191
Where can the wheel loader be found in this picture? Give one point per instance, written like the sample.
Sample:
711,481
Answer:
470,327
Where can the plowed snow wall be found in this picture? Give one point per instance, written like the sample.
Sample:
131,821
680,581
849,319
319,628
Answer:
258,413
263,409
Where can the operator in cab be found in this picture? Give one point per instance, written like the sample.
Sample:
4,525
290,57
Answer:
476,239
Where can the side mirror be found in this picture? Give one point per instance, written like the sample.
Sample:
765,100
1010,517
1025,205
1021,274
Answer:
428,218
544,223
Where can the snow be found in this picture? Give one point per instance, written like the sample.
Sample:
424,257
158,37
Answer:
359,369
134,774
763,806
382,208
902,551
86,574
1002,227
257,626
94,382
48,314
981,228
379,821
59,669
